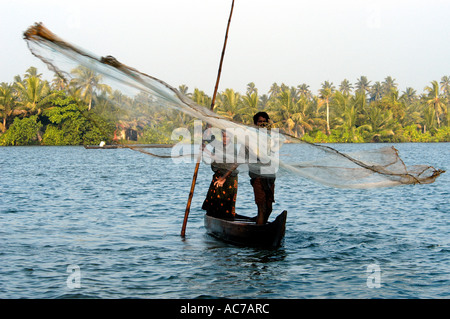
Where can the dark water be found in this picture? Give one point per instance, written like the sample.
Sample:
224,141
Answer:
79,223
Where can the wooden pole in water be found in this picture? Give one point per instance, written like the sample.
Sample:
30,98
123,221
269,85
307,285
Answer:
197,165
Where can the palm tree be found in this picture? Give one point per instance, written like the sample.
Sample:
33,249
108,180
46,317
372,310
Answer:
316,114
340,103
429,118
345,87
305,115
228,104
201,98
409,95
376,92
274,90
7,104
445,86
303,90
362,85
348,118
392,102
326,94
413,114
33,94
435,99
282,110
58,83
411,107
388,85
251,88
347,124
86,83
379,121
250,103
295,94
263,102
183,89
32,72
287,113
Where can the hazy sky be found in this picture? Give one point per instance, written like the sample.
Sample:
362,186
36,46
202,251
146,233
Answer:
283,41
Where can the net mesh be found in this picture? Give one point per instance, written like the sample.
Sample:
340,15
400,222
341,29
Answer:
143,107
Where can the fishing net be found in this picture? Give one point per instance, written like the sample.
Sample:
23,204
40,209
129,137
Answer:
141,108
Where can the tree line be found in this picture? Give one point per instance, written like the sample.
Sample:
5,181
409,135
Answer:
34,111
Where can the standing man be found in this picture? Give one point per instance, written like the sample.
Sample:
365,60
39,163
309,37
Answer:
263,184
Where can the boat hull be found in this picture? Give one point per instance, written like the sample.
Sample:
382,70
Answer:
244,231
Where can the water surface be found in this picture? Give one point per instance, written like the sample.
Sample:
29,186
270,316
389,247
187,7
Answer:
117,215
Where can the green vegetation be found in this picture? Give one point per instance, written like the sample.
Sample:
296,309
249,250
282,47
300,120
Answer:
34,111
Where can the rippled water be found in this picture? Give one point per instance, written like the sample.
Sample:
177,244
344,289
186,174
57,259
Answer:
116,215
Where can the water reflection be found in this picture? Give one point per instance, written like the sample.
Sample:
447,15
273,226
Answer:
235,271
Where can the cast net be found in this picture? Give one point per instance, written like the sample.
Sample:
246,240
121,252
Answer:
134,107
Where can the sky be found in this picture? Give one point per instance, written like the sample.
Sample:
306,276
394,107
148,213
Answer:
284,41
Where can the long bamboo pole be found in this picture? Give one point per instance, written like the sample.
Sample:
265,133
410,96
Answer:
197,165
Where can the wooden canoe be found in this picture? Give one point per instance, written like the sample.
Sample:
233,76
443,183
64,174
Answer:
244,231
114,146
104,147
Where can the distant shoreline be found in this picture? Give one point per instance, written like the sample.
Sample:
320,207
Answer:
117,146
